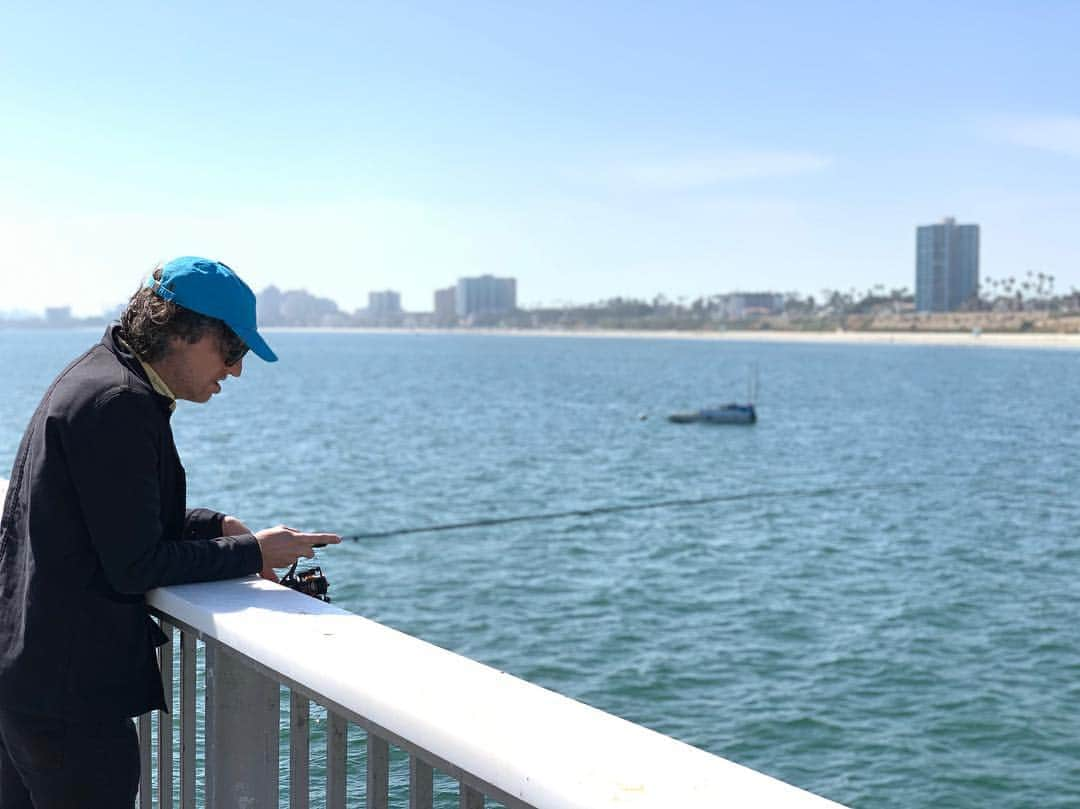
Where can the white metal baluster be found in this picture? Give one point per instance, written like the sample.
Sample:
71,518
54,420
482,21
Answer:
336,742
187,720
470,798
165,725
299,747
242,732
378,772
146,774
421,784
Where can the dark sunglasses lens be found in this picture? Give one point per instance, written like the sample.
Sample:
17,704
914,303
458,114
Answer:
233,348
236,353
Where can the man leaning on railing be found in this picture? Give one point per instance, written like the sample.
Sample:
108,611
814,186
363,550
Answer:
95,515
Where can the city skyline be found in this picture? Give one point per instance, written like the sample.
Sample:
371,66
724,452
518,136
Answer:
691,149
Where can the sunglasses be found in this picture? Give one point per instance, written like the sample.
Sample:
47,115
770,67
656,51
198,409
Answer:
233,348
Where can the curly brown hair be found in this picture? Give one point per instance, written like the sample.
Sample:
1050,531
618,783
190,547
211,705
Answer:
149,323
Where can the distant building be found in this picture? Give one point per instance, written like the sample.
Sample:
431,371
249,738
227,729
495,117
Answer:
484,296
297,308
57,315
742,305
446,305
946,266
384,303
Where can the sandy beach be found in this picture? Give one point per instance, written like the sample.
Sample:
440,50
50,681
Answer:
967,339
960,339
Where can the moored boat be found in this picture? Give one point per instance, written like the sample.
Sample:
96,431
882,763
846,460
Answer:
721,414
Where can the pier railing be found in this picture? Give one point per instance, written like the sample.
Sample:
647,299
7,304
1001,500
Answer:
498,736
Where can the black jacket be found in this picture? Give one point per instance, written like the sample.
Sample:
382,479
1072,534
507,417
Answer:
94,517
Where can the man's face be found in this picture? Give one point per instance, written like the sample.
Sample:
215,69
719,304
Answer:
195,371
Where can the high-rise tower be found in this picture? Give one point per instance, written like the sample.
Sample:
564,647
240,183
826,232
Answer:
946,266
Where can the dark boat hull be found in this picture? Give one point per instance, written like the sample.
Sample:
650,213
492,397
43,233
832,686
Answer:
726,414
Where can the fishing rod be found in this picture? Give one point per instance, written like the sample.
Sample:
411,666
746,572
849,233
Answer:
677,503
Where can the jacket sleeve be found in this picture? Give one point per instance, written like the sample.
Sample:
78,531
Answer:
202,523
112,447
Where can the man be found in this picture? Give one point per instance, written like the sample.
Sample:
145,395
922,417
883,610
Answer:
94,517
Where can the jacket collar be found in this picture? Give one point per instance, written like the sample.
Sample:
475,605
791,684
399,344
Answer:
113,343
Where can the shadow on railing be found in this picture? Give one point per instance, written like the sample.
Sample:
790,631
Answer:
498,736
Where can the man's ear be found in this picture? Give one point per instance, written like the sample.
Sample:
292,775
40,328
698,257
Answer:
173,346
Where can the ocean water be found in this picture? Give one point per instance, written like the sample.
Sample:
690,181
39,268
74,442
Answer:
888,614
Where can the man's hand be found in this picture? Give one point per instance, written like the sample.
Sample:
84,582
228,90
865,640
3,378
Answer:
231,527
281,546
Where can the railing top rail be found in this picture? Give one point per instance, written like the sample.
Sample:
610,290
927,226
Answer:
543,748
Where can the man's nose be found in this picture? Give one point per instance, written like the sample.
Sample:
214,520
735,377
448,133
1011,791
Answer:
236,368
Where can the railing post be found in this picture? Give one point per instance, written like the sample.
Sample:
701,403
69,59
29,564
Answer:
146,774
299,750
421,783
241,734
469,798
187,720
337,744
378,772
165,721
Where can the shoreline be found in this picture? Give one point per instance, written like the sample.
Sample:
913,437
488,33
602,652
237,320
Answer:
964,339
1050,340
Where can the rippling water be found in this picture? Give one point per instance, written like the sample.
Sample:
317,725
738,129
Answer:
890,617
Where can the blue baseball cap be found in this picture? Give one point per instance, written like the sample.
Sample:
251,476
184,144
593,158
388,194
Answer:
213,289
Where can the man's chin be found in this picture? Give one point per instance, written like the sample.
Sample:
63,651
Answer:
205,396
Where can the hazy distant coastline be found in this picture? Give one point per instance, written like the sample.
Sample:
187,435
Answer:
940,338
971,338
875,316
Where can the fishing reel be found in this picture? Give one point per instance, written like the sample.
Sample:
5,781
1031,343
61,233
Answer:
310,582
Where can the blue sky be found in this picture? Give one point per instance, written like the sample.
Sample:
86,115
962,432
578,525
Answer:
589,149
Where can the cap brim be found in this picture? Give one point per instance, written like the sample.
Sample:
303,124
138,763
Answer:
257,344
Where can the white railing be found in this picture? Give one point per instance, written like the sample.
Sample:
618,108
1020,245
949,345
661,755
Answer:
497,735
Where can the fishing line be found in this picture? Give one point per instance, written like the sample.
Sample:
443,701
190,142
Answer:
679,503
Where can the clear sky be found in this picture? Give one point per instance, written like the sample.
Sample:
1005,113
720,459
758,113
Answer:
589,149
